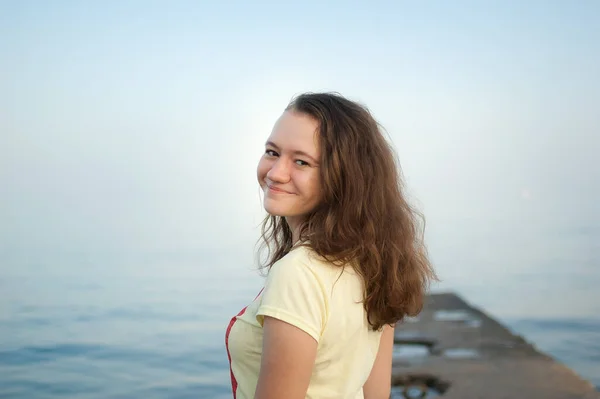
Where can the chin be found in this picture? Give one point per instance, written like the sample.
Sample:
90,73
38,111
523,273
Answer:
276,211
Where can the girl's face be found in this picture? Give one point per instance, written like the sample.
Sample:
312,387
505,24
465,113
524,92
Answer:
288,171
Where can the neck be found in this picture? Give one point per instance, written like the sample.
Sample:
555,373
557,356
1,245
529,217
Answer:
294,222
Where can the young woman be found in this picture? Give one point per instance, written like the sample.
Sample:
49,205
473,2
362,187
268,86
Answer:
345,260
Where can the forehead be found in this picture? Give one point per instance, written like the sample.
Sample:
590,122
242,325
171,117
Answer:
296,132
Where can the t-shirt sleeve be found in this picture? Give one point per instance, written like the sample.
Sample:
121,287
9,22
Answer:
294,294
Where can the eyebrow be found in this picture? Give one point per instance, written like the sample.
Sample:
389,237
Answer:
302,153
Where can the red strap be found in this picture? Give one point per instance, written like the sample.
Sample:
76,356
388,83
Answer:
231,323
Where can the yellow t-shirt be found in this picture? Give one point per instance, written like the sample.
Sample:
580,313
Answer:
324,301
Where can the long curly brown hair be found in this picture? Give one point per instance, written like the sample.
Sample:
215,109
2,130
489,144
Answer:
364,218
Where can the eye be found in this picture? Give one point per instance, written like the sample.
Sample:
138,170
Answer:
301,162
271,153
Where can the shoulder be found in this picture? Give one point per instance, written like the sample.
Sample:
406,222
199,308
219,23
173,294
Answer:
296,292
299,266
305,258
302,266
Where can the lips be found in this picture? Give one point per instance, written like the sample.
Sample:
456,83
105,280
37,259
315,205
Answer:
278,190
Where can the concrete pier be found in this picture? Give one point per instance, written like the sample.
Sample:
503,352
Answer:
455,351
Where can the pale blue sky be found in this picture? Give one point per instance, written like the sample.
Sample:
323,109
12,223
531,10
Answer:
137,125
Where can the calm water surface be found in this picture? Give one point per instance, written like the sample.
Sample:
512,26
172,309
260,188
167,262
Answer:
131,326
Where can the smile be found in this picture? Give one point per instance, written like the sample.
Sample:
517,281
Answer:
276,190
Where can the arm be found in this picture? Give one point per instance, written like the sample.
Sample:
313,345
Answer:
287,361
379,383
293,312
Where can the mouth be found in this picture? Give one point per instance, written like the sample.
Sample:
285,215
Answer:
277,190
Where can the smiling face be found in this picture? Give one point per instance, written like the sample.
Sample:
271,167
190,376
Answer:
288,171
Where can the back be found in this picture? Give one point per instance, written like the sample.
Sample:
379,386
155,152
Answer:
326,302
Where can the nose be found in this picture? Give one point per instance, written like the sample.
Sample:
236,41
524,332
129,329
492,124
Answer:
279,171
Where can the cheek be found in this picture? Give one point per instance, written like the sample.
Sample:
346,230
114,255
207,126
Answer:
261,170
313,186
317,191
